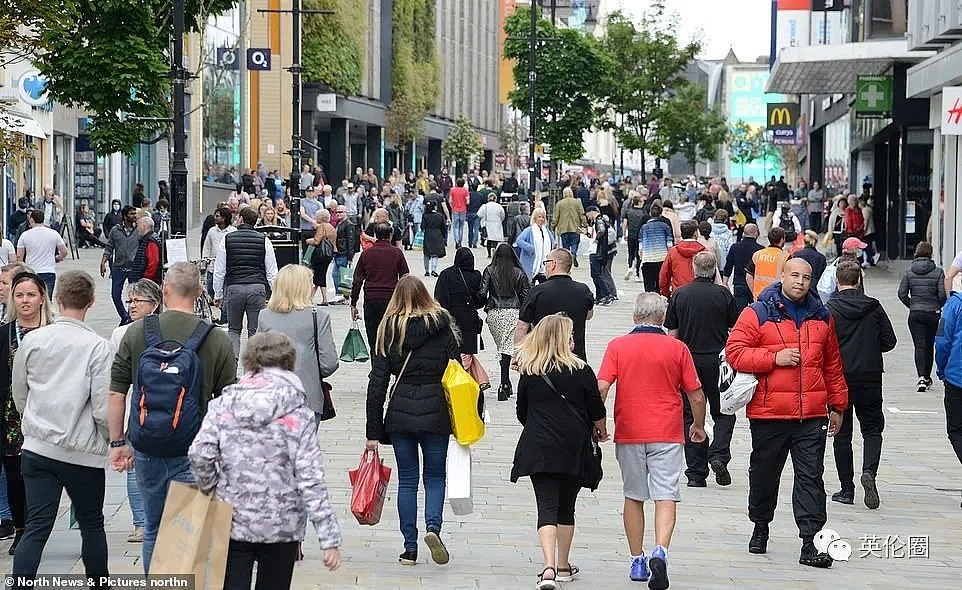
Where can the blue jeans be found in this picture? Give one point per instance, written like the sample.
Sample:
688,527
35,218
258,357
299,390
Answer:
474,230
457,222
570,241
117,279
340,261
434,447
5,513
430,264
135,499
49,280
154,475
598,276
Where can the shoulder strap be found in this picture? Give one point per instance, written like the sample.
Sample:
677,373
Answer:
152,337
317,352
390,393
197,338
568,403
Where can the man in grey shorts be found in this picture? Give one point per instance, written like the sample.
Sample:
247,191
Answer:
650,368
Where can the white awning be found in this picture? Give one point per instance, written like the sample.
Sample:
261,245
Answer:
832,69
25,125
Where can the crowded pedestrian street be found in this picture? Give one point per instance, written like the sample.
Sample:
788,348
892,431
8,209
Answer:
919,483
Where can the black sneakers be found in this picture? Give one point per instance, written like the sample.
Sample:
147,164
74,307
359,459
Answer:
812,558
16,541
6,529
758,544
408,558
697,482
722,476
871,491
439,553
844,497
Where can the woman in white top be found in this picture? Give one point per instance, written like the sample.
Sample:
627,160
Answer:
143,299
491,216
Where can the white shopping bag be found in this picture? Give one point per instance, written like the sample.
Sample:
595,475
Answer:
459,478
735,389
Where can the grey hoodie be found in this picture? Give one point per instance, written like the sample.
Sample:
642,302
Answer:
257,448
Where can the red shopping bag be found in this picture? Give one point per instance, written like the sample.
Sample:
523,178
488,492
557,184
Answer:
369,482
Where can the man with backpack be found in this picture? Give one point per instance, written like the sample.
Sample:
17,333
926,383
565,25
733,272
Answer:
59,383
169,388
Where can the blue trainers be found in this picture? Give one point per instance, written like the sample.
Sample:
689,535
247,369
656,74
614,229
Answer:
639,569
658,565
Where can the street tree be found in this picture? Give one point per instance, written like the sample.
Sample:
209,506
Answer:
691,128
745,143
513,137
571,68
463,144
651,63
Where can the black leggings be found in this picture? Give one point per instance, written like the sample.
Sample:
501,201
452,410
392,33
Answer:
506,370
556,495
923,326
16,494
633,259
275,565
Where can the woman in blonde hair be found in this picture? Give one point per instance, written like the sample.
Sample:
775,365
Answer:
557,397
291,312
415,341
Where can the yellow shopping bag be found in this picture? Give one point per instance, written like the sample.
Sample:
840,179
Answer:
465,404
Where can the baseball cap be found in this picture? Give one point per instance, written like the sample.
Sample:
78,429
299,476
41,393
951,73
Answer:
853,244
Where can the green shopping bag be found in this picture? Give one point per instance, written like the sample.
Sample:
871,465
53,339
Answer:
345,280
308,256
354,349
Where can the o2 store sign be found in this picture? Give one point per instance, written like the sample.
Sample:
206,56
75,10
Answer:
33,88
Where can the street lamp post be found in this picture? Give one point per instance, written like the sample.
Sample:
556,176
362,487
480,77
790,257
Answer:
178,167
296,151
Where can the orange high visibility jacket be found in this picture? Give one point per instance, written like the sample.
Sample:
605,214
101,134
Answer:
768,268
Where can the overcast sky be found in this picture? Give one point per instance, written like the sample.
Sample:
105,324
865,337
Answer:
744,25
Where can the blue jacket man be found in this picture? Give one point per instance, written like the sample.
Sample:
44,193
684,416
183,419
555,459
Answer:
948,363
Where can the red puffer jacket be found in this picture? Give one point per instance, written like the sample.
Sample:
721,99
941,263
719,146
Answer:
789,393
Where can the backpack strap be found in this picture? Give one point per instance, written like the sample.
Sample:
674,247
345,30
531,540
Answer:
198,336
152,337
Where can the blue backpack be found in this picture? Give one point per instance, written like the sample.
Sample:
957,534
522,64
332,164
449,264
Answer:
165,411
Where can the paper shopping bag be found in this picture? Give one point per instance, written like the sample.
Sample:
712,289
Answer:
345,280
459,478
369,482
354,349
193,537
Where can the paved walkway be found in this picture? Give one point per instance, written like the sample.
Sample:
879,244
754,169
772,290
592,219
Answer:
496,547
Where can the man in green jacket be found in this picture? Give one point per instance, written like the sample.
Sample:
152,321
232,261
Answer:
567,221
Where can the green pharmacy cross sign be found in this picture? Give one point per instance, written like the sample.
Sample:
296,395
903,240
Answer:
873,97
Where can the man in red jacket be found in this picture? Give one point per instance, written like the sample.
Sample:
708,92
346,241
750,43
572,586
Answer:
787,339
678,268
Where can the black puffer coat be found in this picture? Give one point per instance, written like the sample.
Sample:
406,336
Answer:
418,404
923,286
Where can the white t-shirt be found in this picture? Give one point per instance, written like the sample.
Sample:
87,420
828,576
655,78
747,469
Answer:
7,251
40,246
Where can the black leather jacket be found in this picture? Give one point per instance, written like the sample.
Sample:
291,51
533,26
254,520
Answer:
497,296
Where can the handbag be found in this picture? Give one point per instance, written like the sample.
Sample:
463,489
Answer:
463,395
354,350
474,367
592,471
327,407
308,256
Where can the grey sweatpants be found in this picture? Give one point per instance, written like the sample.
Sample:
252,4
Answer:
243,300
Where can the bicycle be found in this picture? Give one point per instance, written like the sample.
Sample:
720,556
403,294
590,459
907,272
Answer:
203,305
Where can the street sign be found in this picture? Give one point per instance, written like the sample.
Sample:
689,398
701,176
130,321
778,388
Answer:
827,5
32,88
259,59
952,110
873,97
326,103
227,58
782,115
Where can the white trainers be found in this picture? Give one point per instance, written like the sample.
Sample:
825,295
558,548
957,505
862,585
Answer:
629,273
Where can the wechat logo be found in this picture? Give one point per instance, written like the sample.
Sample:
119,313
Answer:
828,541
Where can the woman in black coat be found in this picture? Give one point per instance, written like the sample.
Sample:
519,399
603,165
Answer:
415,341
458,291
433,224
555,445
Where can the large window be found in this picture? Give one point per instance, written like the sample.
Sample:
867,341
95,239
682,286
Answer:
878,19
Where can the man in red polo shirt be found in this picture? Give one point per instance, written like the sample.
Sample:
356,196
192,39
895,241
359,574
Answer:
459,210
650,368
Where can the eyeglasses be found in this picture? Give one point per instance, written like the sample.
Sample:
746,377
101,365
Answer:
547,260
138,301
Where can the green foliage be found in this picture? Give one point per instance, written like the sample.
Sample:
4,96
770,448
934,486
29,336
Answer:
651,63
570,69
689,127
416,76
745,142
112,57
333,44
463,144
